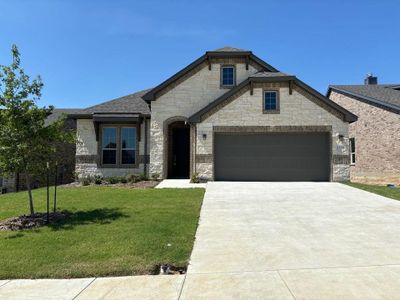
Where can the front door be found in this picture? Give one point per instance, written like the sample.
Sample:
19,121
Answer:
180,152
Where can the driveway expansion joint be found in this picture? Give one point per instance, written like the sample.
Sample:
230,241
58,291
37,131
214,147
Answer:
84,288
5,283
290,291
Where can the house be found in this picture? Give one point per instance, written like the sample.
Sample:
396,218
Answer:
375,137
228,115
66,154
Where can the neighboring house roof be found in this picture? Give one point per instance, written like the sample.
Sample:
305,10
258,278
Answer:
58,112
382,95
227,52
272,77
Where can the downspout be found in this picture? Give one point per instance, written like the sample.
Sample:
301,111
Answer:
195,149
145,146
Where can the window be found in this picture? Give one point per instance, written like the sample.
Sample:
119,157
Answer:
352,151
128,145
118,145
109,145
227,76
271,102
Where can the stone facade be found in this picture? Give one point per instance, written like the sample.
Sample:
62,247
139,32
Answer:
87,156
184,100
377,140
199,87
297,110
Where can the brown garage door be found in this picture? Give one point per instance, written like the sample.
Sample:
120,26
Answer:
272,157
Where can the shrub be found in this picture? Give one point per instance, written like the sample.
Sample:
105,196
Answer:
143,177
113,179
86,180
195,178
155,176
133,178
123,180
98,179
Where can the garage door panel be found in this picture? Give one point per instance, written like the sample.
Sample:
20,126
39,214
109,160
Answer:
272,157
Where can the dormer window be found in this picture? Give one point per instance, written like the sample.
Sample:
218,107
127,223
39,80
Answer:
228,76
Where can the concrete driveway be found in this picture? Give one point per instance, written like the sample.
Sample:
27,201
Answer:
295,241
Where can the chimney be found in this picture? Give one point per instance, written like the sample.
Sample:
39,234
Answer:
370,79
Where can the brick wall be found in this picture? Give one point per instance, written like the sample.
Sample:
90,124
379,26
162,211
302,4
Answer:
377,138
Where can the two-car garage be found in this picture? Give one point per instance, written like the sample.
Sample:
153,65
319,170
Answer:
289,156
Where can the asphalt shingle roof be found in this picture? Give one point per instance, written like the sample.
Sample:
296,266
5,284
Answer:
58,112
382,93
269,74
132,103
229,49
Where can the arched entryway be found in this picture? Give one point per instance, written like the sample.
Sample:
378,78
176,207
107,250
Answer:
178,150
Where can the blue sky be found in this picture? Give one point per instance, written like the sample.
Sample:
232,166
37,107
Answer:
92,51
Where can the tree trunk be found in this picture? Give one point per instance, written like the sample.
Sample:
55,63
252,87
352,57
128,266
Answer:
28,186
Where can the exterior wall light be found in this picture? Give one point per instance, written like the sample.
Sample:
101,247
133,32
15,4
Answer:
204,136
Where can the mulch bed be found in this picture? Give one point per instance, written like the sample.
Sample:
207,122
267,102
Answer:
141,184
30,222
148,184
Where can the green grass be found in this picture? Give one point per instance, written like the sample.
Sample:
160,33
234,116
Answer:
393,193
111,232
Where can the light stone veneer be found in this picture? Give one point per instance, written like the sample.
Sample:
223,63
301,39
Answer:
295,110
204,87
87,145
184,100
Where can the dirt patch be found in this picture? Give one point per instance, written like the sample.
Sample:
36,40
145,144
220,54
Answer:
30,222
167,269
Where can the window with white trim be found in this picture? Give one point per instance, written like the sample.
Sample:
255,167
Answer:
352,151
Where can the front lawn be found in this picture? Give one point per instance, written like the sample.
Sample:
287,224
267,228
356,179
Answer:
393,193
110,232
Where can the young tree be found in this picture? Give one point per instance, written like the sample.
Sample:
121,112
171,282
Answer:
27,143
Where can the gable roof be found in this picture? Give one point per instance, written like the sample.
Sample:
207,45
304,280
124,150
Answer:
225,52
381,95
272,77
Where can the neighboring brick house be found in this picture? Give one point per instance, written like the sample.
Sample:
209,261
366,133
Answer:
226,116
66,155
375,137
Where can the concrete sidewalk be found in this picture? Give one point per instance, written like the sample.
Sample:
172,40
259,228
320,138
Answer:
130,287
179,184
